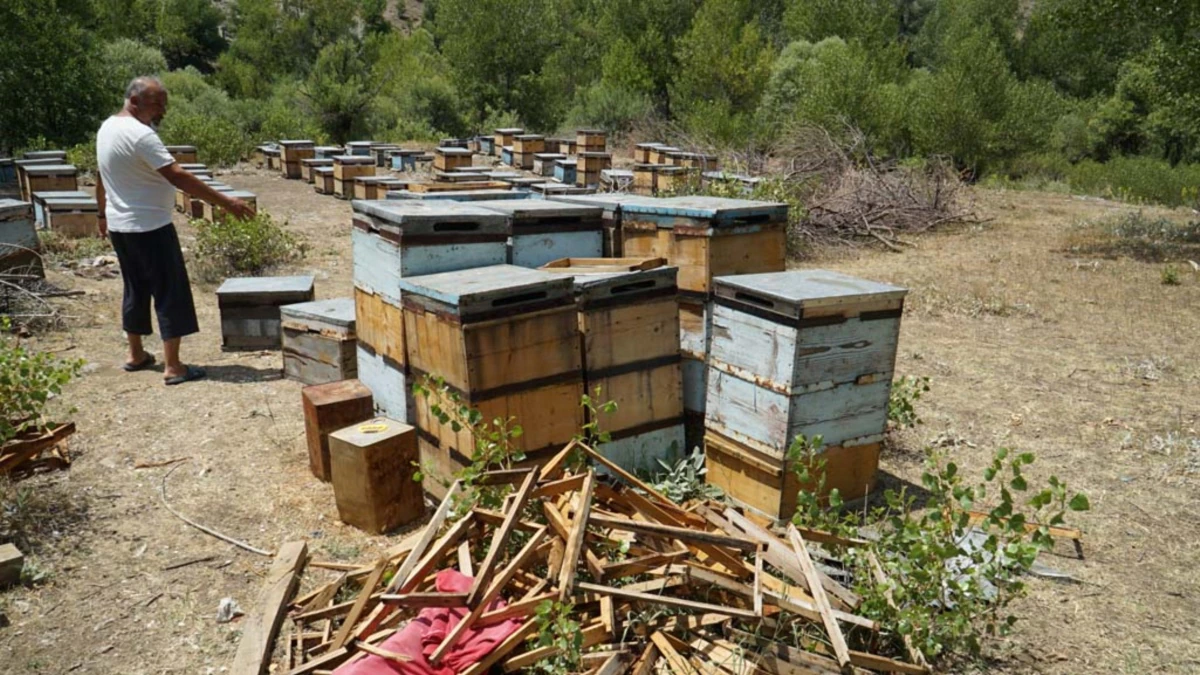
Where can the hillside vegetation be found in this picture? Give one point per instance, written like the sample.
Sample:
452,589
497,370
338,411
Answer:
1098,95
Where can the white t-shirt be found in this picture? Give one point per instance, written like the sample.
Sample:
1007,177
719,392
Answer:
129,155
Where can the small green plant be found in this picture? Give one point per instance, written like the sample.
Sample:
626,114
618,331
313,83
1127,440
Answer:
684,480
558,629
29,380
495,442
815,508
1138,236
902,410
592,434
231,246
1170,276
57,248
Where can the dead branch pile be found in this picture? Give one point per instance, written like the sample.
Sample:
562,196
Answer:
851,197
653,587
24,291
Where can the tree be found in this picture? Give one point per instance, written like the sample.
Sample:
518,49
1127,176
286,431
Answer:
873,22
124,59
338,91
189,33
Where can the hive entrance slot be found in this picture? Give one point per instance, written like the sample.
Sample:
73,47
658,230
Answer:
755,300
455,227
633,287
518,299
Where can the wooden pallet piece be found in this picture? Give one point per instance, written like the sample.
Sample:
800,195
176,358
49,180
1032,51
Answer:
500,539
360,603
833,630
566,578
262,626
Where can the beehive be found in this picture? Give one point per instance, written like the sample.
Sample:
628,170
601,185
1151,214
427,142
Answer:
525,146
249,309
662,154
51,154
543,162
323,180
19,244
49,178
504,137
73,217
184,154
372,466
641,152
371,187
359,148
346,168
448,159
629,328
611,203
319,341
328,151
307,166
405,160
589,166
591,140
291,154
405,238
39,202
653,179
487,146
506,156
544,230
215,212
505,339
273,155
806,352
381,152
460,195
20,165
327,408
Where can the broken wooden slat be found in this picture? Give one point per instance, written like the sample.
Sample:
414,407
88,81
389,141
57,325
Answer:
360,604
670,601
675,660
499,539
261,627
423,600
680,533
566,577
834,631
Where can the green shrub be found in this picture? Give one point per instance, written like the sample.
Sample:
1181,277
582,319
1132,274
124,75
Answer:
29,380
1137,236
219,142
1170,276
1138,180
611,107
232,247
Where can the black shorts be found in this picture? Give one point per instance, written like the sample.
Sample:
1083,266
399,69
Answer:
152,267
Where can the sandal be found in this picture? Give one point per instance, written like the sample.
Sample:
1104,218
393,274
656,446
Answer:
192,373
146,363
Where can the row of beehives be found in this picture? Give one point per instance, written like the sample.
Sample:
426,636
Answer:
193,207
818,360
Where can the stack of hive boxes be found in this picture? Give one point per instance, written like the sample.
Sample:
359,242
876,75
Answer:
525,146
588,167
346,168
503,138
184,154
451,159
291,156
591,140
19,244
319,341
45,175
505,339
307,167
704,237
545,230
802,353
395,239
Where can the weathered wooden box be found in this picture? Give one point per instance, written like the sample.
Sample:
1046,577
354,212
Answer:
39,202
662,154
506,340
629,326
249,309
769,485
382,154
19,244
380,356
565,170
48,178
591,140
404,160
487,145
804,352
184,154
544,230
215,212
327,408
292,153
323,180
589,166
449,159
543,162
73,217
347,168
273,156
506,156
20,166
641,152
307,166
319,341
370,187
525,146
359,148
373,465
653,179
502,138
328,151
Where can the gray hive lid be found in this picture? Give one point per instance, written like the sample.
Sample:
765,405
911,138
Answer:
524,181
610,201
529,137
604,287
323,170
317,161
298,144
12,208
51,169
181,148
48,161
716,209
338,312
60,194
45,154
551,188
194,167
221,187
442,217
596,155
502,175
532,210
328,148
569,161
353,159
548,156
360,144
300,287
242,194
459,196
649,146
493,289
793,293
592,132
71,204
453,151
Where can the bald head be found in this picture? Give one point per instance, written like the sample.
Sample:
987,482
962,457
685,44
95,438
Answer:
146,99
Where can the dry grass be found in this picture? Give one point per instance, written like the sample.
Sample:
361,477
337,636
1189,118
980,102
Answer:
36,513
59,249
1138,236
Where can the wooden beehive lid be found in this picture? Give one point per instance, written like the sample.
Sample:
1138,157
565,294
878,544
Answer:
393,183
603,265
332,149
615,174
596,155
406,152
11,209
6,161
298,144
272,150
45,154
337,312
528,137
71,204
51,170
459,152
243,195
510,131
370,179
461,196
317,161
791,294
648,146
551,188
360,144
531,211
353,159
590,132
502,175
441,217
371,432
548,156
594,289
267,290
460,176
187,148
59,194
322,170
666,149
716,210
384,147
26,163
503,290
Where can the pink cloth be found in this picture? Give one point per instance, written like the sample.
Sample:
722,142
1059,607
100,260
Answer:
421,637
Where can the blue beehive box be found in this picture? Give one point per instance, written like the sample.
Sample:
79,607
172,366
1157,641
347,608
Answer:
543,230
564,171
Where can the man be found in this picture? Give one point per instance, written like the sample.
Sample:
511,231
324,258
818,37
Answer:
135,188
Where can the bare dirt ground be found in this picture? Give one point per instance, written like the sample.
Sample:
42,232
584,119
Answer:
1094,365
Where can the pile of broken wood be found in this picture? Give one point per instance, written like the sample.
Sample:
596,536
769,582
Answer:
43,449
653,586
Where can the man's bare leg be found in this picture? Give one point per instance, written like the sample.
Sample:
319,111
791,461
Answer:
137,353
171,354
